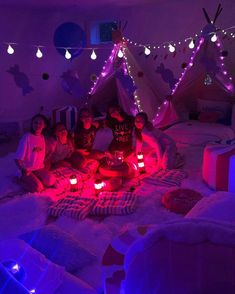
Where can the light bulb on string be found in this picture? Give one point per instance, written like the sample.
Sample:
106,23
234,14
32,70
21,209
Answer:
67,54
10,49
39,53
120,53
191,44
147,51
171,48
93,55
214,38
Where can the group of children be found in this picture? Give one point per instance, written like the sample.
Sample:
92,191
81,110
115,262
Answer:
37,154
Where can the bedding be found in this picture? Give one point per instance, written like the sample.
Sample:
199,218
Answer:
193,132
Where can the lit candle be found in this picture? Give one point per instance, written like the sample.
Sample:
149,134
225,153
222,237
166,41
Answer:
73,183
98,184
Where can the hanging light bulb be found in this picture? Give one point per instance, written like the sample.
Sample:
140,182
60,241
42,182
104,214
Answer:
147,51
171,48
67,54
191,45
39,53
120,53
93,55
10,49
214,38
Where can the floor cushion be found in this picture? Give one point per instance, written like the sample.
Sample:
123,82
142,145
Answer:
180,200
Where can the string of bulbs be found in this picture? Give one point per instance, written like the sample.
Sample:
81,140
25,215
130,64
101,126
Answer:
147,48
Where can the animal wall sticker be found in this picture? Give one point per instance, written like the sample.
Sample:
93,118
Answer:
21,79
167,75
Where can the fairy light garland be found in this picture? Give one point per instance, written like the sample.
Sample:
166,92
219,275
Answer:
171,44
129,70
147,47
229,86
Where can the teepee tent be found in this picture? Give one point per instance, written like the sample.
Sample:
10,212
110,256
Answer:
123,82
204,79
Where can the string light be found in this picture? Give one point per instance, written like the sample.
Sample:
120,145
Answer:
39,53
147,51
67,54
120,53
129,71
10,49
93,55
171,48
214,38
191,44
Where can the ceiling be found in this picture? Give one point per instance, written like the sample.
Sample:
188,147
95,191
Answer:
83,4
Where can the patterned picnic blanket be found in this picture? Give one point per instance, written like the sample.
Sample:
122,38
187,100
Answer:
171,177
78,207
63,174
74,206
114,203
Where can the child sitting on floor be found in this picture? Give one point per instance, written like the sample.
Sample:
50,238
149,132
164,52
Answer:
164,146
30,157
85,137
60,147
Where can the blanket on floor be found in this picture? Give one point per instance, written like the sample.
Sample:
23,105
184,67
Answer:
171,177
107,203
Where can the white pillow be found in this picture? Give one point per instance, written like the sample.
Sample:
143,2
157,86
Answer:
60,247
218,206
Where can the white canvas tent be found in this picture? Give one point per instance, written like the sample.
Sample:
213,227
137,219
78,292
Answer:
204,79
120,82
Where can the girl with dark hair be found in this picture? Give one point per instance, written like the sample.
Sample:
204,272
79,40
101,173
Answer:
122,126
30,157
163,145
60,147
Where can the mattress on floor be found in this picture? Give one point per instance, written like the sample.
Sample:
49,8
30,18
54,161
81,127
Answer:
193,132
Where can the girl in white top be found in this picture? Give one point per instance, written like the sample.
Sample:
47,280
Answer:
163,145
30,157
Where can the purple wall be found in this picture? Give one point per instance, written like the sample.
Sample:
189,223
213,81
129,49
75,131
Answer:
152,23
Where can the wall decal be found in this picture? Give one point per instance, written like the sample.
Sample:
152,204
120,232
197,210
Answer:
167,75
70,35
126,82
71,84
21,79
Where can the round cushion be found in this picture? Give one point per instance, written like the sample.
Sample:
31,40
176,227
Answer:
124,170
180,200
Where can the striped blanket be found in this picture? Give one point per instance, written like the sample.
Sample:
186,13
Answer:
74,206
108,203
114,203
171,177
63,174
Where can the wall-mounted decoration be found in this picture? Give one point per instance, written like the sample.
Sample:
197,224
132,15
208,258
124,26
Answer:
126,82
70,36
167,75
21,79
71,84
211,65
45,76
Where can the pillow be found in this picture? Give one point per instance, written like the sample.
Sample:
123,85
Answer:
218,206
210,116
224,108
59,247
180,200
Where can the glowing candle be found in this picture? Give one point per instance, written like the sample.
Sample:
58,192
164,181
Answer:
73,183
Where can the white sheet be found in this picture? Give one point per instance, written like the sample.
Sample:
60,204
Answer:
197,133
